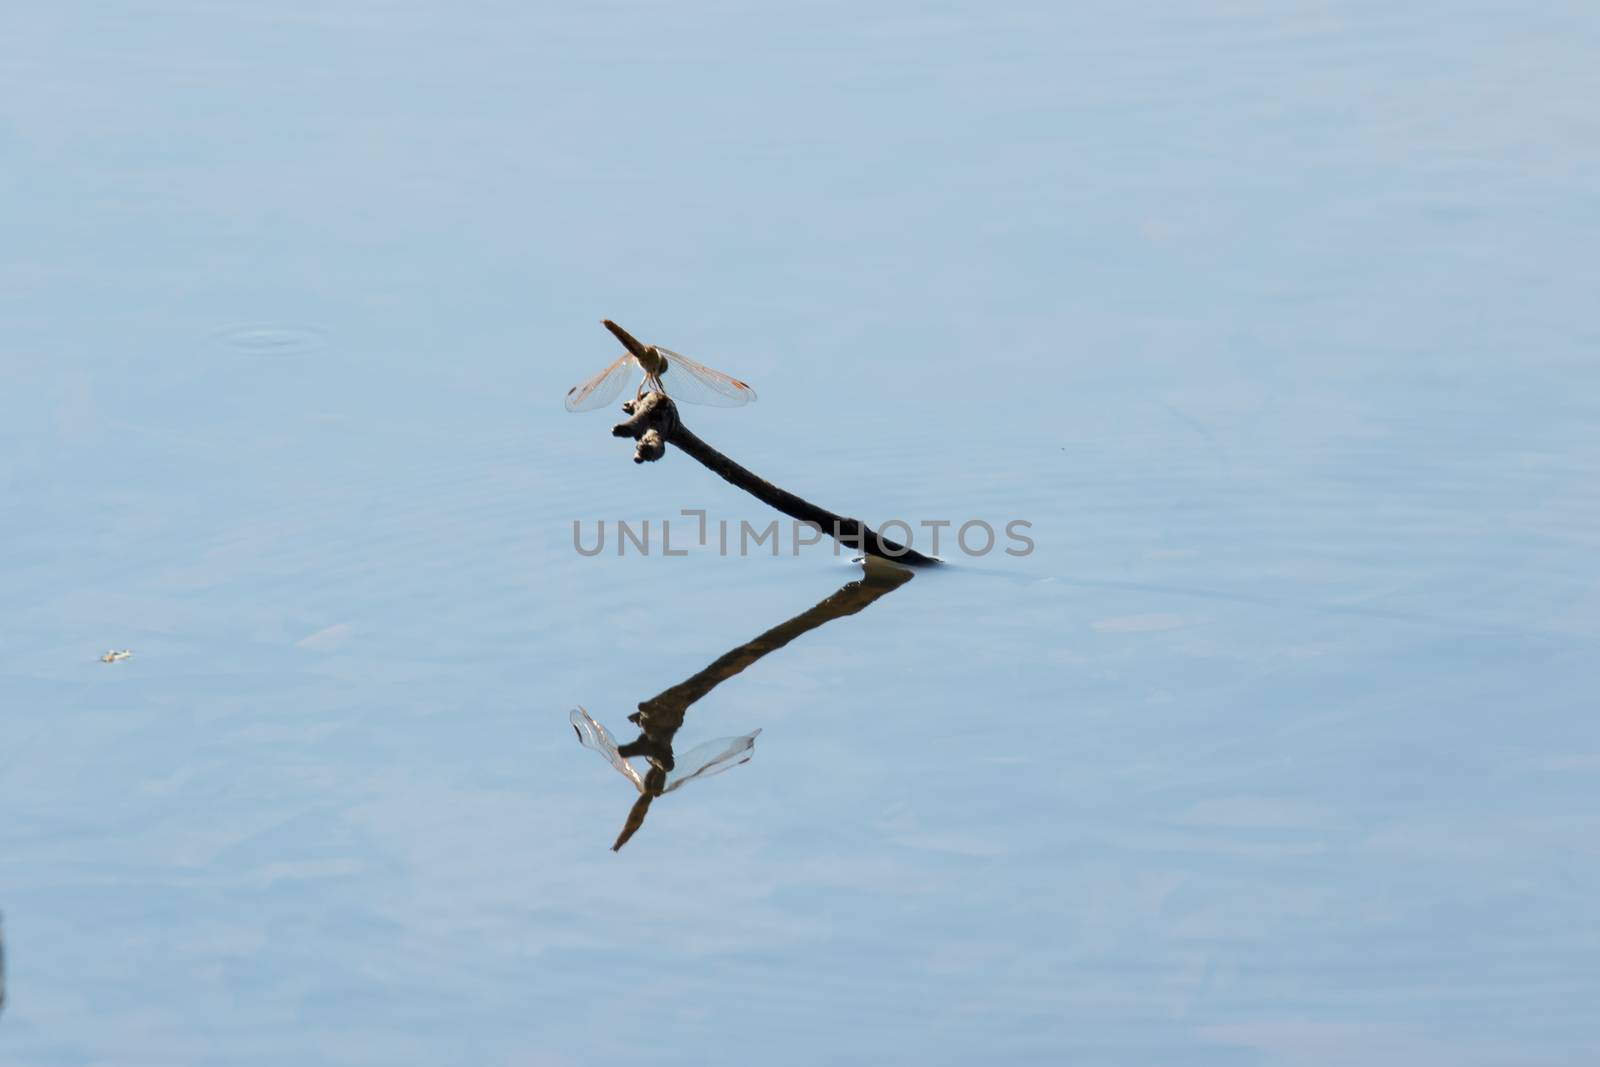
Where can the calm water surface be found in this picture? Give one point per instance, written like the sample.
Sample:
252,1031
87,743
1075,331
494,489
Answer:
1275,322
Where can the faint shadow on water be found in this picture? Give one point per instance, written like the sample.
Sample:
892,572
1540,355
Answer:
660,717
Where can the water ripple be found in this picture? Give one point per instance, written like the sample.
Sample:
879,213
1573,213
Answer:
271,339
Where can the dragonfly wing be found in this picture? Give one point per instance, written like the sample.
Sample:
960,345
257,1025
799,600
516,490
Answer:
712,758
699,384
602,389
596,738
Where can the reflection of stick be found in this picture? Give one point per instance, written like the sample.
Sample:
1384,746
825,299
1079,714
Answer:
660,717
653,422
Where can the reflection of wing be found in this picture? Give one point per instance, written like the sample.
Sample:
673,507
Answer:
597,738
713,757
699,384
600,390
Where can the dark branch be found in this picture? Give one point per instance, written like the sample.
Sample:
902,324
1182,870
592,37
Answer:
653,422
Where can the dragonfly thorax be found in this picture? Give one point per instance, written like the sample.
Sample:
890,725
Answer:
653,362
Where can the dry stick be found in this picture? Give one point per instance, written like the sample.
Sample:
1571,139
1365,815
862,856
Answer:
653,422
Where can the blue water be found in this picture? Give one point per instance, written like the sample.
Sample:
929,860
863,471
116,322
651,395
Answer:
1272,322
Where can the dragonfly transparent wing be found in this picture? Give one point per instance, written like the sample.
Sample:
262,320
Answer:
596,738
699,384
711,758
602,389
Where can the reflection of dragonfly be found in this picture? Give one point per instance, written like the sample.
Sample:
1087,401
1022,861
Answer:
697,383
702,761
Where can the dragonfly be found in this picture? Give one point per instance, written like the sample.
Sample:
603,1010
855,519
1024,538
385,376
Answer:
113,655
691,381
702,761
